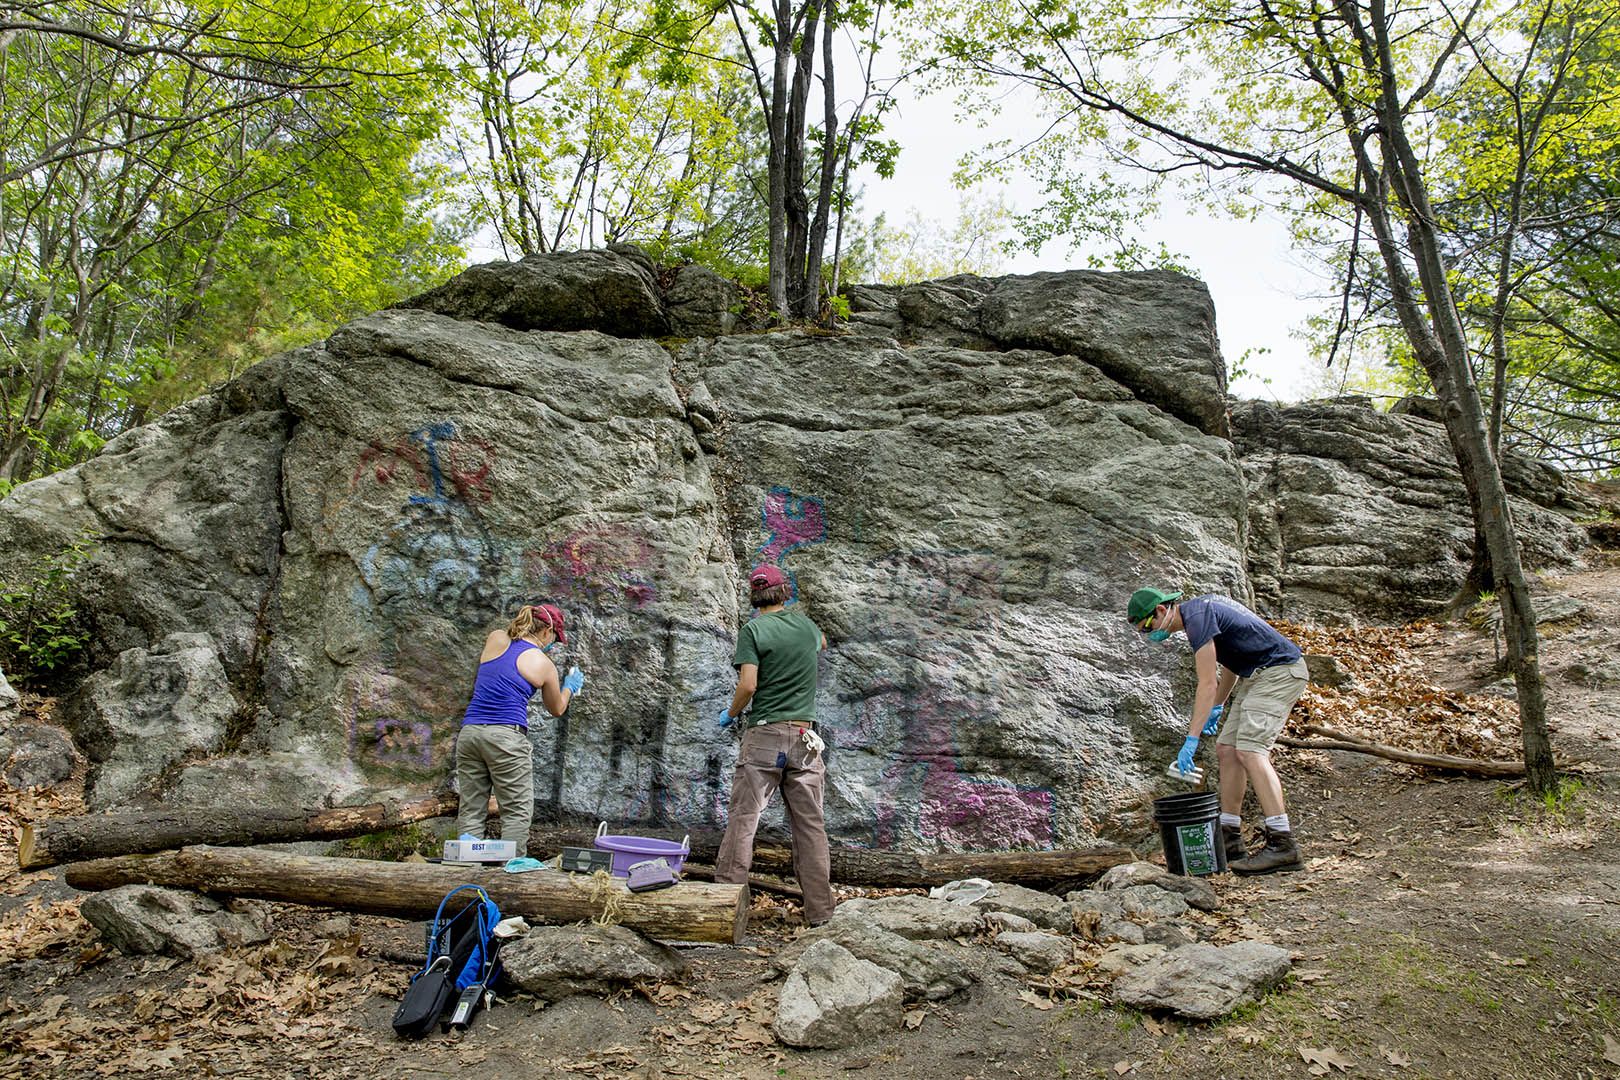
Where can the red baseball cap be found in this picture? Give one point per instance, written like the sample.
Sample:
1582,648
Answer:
550,615
763,577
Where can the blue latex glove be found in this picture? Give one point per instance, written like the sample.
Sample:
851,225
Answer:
1184,760
1213,724
726,719
574,680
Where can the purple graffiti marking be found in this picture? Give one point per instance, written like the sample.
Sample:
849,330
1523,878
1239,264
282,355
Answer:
790,523
953,806
404,742
389,722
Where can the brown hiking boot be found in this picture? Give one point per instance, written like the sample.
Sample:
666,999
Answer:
1232,837
1280,853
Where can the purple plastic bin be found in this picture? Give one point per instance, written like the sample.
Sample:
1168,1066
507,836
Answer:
633,849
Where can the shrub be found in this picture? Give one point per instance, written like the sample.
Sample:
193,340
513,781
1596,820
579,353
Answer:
40,625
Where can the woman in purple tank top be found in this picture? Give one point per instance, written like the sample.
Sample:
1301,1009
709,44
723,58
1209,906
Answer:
493,754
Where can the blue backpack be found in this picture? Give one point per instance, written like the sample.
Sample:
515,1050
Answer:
463,961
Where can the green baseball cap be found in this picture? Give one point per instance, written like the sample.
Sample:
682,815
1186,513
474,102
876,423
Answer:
1143,601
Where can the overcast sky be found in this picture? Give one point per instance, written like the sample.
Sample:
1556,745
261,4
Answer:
1261,289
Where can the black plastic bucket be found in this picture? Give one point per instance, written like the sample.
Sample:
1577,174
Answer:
1190,827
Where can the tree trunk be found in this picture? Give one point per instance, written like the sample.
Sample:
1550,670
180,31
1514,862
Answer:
1435,329
690,911
777,125
796,204
816,241
882,869
97,836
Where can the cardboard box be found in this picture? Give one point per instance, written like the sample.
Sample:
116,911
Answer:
479,850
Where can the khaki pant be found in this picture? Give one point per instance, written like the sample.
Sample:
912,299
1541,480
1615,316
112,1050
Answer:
495,758
1260,705
774,756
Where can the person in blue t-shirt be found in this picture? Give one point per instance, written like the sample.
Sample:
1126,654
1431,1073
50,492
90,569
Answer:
1241,659
493,753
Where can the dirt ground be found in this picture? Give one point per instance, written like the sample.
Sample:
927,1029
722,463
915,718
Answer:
1442,928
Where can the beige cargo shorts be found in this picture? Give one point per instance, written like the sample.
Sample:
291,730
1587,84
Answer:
1260,704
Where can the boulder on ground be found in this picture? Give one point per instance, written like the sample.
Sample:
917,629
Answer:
1042,909
554,962
1037,951
1168,934
35,755
1204,982
928,970
1100,916
8,701
1151,903
1327,671
146,919
1196,891
834,999
912,916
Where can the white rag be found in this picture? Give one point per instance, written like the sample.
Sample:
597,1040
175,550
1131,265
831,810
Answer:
813,742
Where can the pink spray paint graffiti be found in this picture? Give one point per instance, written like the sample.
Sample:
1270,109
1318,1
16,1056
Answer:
791,522
928,791
597,567
923,604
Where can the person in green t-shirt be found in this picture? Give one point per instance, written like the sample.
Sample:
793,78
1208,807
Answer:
776,674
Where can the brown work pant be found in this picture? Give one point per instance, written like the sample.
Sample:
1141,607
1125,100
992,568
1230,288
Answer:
774,756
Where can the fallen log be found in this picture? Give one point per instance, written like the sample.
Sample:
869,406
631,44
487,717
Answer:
695,872
96,836
1328,739
74,839
881,869
690,911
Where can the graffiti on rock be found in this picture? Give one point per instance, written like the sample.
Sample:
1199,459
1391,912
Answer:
597,568
442,466
437,563
790,522
925,605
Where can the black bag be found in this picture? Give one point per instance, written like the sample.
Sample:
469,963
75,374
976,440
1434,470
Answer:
462,961
425,1000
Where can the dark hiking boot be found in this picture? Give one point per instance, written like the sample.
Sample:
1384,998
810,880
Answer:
1232,837
1280,853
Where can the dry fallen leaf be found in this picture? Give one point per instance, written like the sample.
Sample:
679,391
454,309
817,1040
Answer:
914,1019
1611,1050
1310,975
1394,1057
1153,1026
1122,1067
1323,1059
1032,998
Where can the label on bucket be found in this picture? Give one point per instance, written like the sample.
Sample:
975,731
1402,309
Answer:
1197,844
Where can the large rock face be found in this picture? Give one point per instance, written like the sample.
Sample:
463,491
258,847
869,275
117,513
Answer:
1357,512
963,491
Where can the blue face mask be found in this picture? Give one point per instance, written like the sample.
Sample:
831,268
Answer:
1158,635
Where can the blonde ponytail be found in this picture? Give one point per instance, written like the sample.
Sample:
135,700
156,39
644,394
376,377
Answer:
522,624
